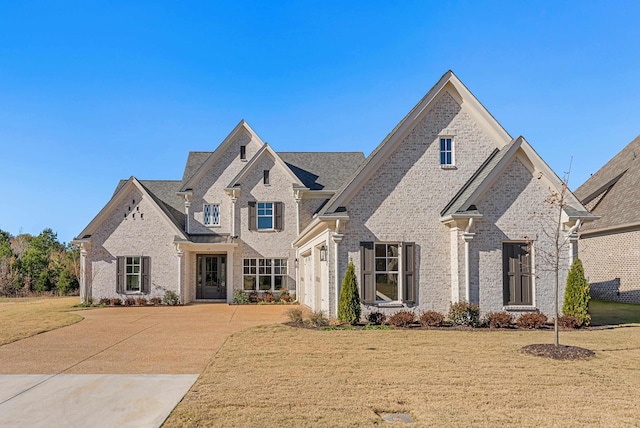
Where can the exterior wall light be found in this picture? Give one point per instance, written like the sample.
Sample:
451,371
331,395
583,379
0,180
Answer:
323,253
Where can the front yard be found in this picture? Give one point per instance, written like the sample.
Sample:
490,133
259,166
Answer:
282,376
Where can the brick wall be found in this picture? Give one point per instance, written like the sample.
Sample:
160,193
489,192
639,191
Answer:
611,265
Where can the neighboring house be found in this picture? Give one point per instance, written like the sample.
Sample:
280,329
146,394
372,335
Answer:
447,208
610,247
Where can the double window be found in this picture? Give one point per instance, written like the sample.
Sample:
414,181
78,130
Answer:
264,274
265,215
211,214
446,151
132,274
388,272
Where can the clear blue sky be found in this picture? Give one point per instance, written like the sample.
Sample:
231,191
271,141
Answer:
92,92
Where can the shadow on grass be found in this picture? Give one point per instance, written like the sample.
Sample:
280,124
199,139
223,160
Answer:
612,313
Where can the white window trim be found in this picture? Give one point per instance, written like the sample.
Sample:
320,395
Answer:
127,274
452,165
272,275
273,217
399,301
204,217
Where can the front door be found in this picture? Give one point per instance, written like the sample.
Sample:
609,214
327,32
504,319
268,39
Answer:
211,276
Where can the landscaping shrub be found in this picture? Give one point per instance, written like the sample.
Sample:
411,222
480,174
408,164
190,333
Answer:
155,300
115,302
349,309
268,297
105,301
499,319
401,319
568,322
576,295
170,298
463,313
376,318
254,297
141,301
532,320
295,315
240,297
129,301
317,319
284,295
431,319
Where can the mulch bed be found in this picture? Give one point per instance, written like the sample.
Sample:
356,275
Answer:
549,350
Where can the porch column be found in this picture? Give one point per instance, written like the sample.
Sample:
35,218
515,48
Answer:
230,279
467,236
84,295
337,238
180,253
234,199
455,280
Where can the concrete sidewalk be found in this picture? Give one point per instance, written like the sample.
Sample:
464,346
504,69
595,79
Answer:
119,366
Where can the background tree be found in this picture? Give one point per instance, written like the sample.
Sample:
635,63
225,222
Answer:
349,309
576,295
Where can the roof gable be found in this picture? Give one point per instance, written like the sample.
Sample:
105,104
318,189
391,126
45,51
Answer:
448,83
217,154
121,192
265,150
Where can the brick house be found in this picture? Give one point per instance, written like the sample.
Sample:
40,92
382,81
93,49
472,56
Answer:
447,208
613,194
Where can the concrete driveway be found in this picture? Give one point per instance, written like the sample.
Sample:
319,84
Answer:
119,366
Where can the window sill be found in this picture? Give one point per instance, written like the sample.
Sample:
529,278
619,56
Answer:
519,308
266,230
212,226
389,304
448,166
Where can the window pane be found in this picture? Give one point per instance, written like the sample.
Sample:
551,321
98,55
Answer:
249,282
381,265
392,265
280,282
265,222
265,267
264,282
381,250
392,250
387,287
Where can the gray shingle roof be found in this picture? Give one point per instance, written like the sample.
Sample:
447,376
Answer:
322,170
194,161
614,190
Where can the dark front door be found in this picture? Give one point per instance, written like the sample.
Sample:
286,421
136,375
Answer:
211,277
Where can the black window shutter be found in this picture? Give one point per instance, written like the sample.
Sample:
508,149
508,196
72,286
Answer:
367,262
409,278
120,275
252,216
146,274
278,211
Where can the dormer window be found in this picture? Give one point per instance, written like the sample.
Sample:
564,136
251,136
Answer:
211,214
446,152
265,176
243,152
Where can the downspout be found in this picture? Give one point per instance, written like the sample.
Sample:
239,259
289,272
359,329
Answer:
180,273
83,275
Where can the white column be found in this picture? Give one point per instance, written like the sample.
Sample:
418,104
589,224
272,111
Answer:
84,295
230,279
187,204
337,238
180,253
234,199
467,279
455,280
297,199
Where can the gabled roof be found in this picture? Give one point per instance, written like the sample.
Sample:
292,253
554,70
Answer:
322,170
265,150
216,154
448,82
613,192
194,162
463,202
166,210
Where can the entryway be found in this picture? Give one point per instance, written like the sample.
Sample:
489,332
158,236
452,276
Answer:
211,276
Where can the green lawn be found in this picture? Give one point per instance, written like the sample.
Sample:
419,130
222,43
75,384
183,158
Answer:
611,313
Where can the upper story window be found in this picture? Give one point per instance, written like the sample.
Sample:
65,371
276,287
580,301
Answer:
211,214
265,176
243,152
446,151
265,216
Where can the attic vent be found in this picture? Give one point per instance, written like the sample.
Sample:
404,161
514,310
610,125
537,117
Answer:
243,152
472,208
